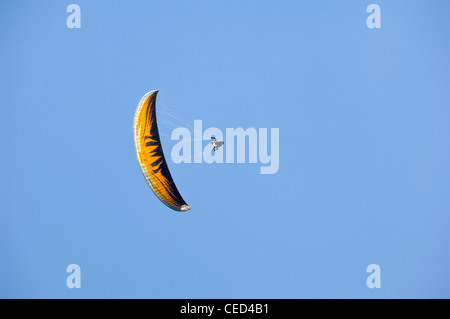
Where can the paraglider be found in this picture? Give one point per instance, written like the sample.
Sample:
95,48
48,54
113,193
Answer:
216,143
151,157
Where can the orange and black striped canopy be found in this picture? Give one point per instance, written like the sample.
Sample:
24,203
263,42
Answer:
150,154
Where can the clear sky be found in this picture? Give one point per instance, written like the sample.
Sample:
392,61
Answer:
364,177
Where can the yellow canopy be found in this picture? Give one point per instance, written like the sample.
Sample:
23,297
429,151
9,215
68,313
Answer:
150,154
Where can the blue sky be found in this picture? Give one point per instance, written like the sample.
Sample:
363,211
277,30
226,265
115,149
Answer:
364,172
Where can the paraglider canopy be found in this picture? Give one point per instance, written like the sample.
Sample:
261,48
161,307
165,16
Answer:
151,157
